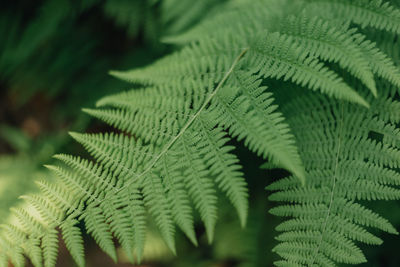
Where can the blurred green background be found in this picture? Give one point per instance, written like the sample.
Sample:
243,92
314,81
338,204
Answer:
54,60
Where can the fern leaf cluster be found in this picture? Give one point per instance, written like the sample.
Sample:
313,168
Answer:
347,161
170,155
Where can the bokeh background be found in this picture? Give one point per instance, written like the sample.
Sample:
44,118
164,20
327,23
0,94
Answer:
54,60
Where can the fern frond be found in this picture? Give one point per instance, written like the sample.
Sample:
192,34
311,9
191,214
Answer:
156,200
50,248
28,223
375,13
34,252
120,224
13,235
277,56
48,212
73,240
134,207
235,15
235,113
12,253
178,197
96,225
321,39
344,165
199,184
230,179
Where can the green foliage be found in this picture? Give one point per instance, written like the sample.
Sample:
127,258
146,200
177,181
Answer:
350,156
301,83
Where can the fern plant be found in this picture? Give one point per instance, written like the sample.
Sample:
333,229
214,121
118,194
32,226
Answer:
303,84
355,160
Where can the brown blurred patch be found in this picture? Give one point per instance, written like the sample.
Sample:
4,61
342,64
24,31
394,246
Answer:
31,127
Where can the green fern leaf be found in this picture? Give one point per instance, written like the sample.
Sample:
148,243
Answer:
50,247
96,225
179,199
323,40
343,165
277,56
73,240
154,197
376,13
